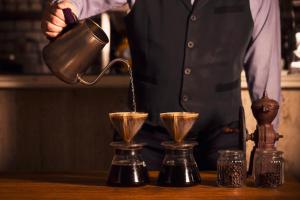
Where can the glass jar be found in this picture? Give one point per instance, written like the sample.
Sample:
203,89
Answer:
231,168
179,168
268,168
127,168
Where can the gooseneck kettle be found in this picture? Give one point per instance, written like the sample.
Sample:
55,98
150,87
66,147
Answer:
69,55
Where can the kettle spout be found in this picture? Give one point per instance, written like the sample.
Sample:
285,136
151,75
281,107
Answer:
105,69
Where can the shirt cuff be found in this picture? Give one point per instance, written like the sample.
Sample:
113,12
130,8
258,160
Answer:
78,5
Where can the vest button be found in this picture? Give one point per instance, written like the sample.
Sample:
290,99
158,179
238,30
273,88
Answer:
185,98
193,18
187,71
191,44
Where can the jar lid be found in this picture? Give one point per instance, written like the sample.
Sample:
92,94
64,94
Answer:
269,151
231,152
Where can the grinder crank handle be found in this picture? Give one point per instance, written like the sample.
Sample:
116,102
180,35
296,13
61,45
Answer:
278,136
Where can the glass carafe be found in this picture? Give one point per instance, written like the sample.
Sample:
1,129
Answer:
268,168
231,168
179,167
127,168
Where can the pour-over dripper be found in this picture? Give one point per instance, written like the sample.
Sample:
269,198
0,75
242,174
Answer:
127,123
179,167
179,123
128,168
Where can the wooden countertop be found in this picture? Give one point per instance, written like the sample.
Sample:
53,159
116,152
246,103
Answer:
92,186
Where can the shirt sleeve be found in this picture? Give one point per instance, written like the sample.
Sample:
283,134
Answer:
87,8
263,58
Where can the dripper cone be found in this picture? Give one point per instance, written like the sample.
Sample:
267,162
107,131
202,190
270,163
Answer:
179,123
127,123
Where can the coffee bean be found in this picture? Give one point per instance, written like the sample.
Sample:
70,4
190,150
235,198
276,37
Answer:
272,179
232,174
269,177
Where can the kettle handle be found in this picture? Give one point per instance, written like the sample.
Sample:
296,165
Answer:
70,17
84,82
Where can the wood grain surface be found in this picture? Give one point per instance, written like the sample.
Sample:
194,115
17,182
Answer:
92,186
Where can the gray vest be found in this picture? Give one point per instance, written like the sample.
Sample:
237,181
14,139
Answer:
189,58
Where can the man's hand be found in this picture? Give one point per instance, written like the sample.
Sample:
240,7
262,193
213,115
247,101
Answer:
53,20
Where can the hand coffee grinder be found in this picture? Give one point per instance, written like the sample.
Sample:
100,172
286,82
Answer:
264,110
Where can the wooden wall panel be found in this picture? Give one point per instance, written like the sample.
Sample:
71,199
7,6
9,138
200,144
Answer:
57,129
7,130
69,129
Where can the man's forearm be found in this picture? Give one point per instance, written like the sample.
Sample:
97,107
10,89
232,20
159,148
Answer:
87,8
263,58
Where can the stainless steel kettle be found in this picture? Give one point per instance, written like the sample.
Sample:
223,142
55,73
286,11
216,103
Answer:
70,54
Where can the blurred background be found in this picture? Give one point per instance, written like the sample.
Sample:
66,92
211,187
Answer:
22,41
46,125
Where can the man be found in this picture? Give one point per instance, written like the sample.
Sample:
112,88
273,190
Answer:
188,56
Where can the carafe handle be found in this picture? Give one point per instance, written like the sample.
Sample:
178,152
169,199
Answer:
84,82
